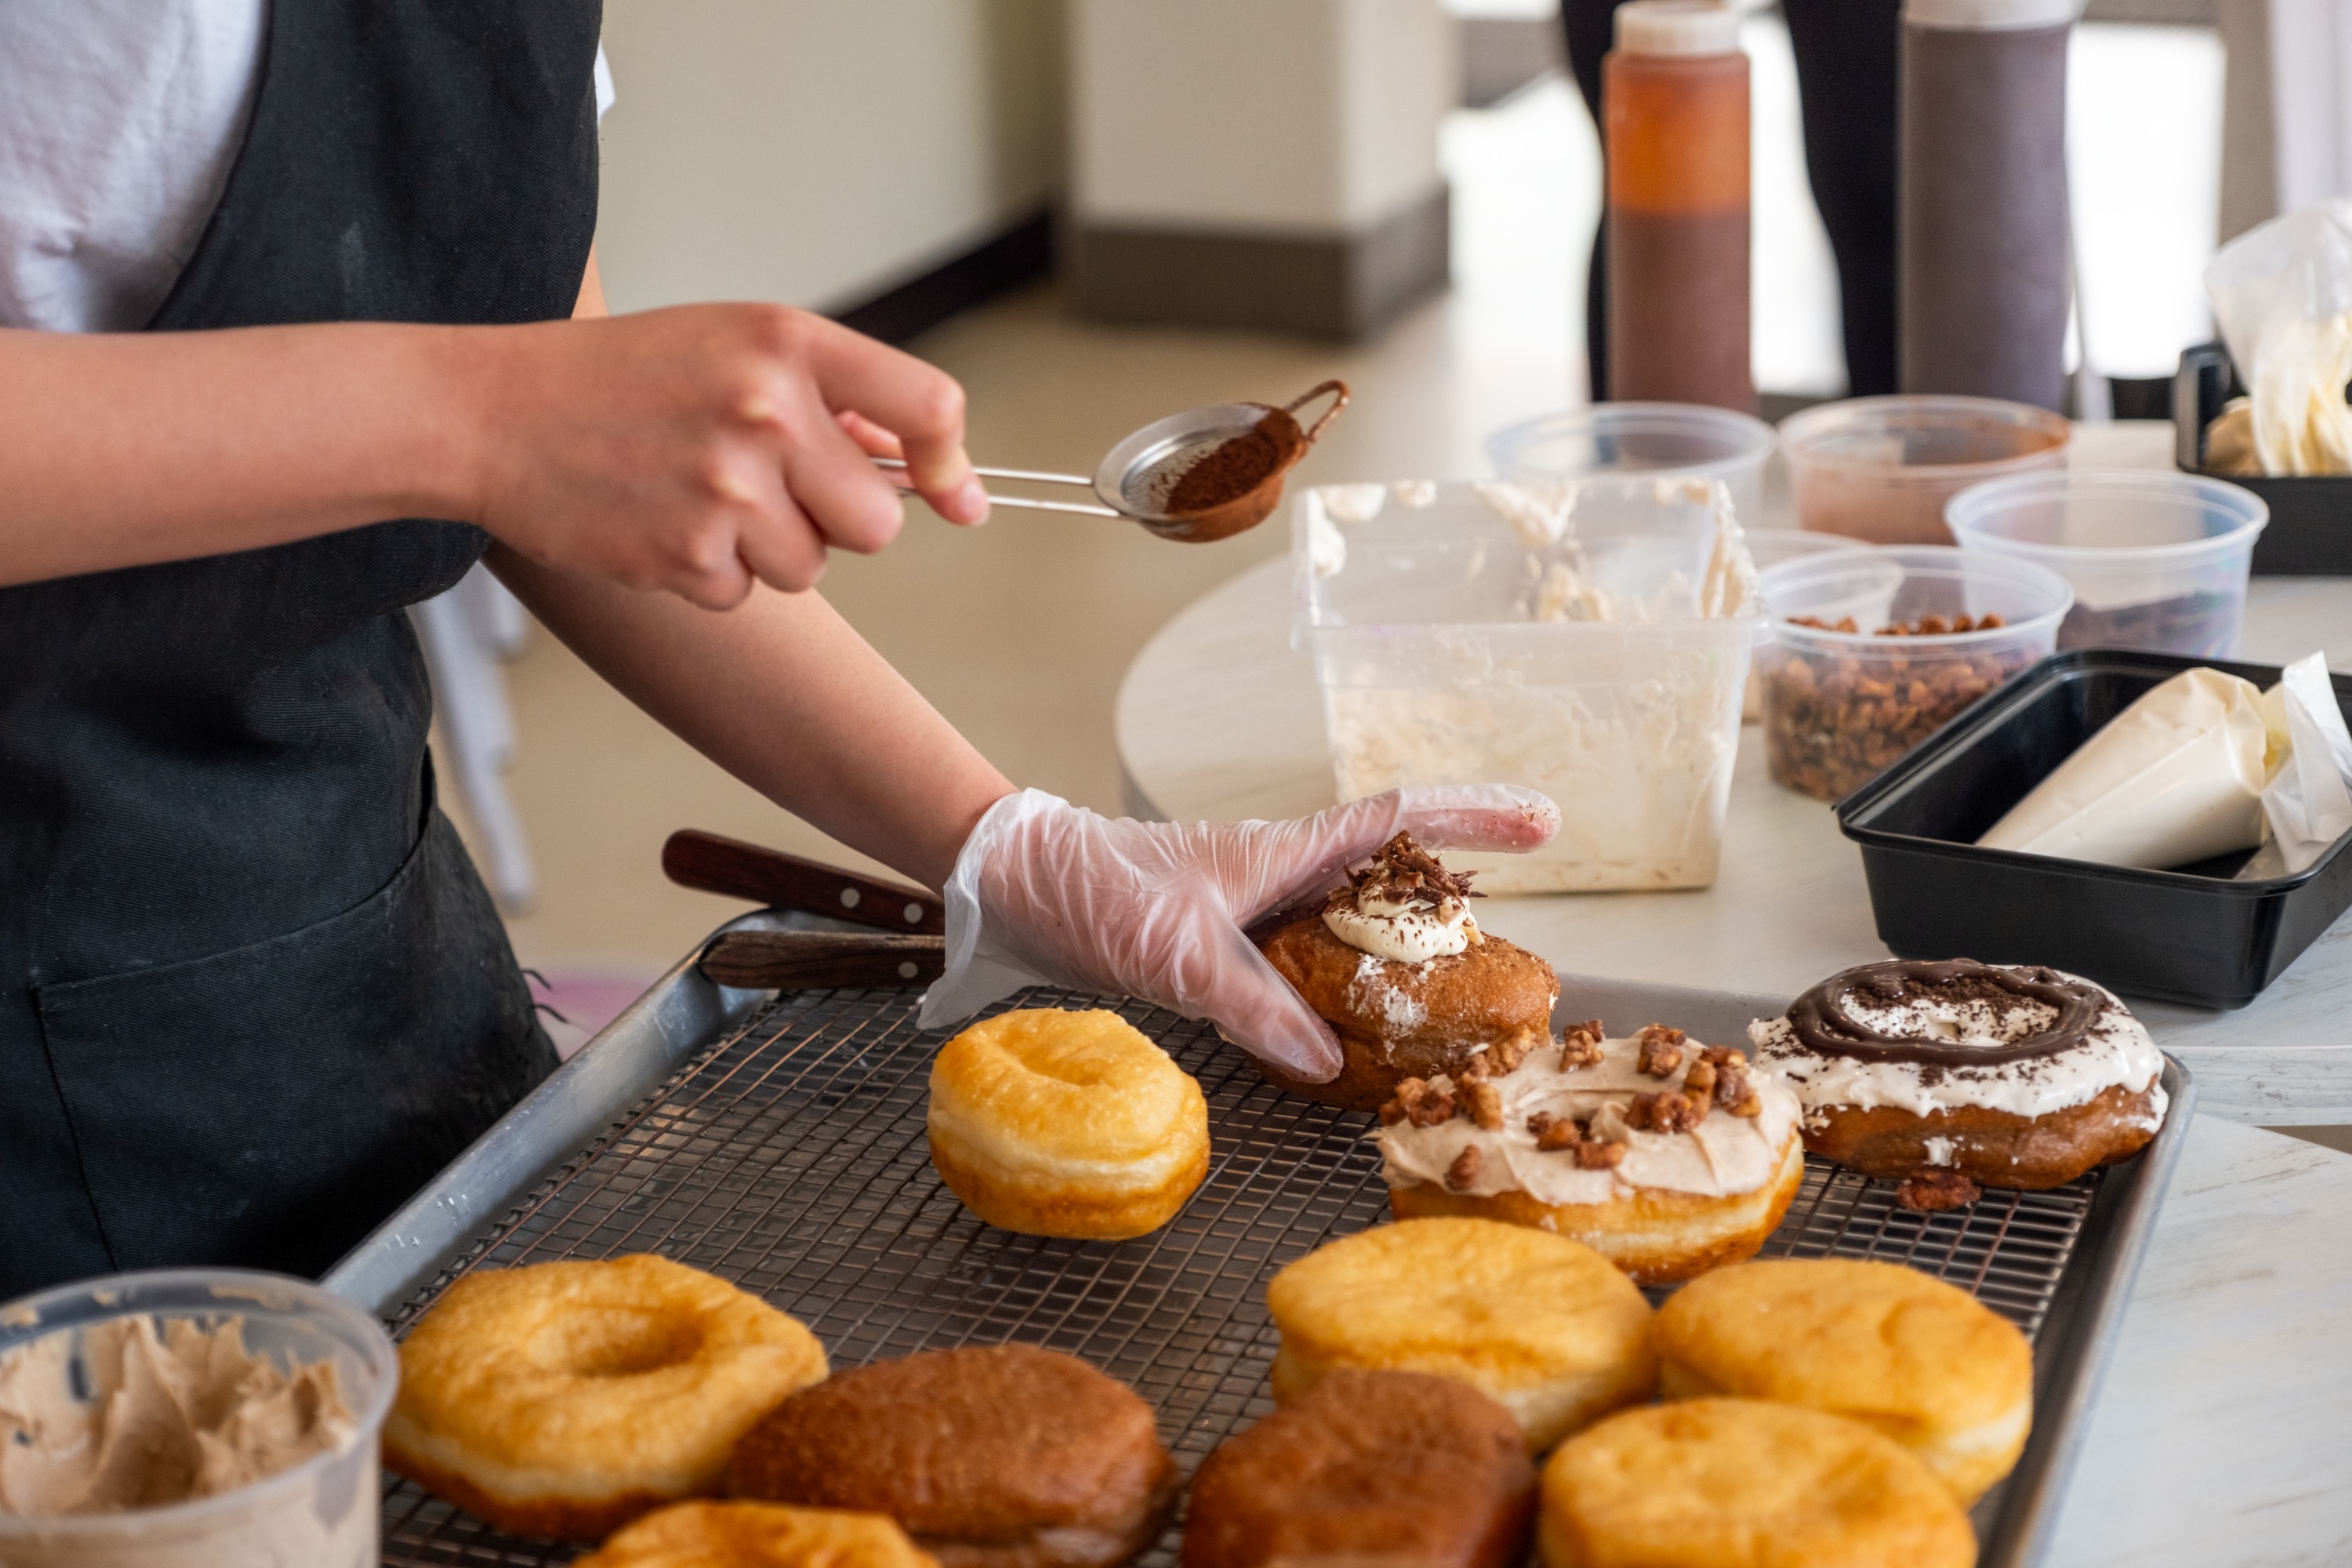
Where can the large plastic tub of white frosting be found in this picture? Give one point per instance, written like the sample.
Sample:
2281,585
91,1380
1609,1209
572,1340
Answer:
1494,633
324,1511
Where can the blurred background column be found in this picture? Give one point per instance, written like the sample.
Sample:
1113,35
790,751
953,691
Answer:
1265,164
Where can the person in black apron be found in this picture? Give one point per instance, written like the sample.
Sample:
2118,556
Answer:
252,993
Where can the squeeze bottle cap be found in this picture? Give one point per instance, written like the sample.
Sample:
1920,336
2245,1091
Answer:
1677,27
1990,15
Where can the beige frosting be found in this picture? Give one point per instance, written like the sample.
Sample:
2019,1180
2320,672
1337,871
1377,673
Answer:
172,1415
1724,1154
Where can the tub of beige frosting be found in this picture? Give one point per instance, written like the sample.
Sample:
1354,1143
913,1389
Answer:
191,1418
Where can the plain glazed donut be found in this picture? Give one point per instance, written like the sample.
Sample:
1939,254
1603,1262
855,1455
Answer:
1052,1122
566,1399
759,1536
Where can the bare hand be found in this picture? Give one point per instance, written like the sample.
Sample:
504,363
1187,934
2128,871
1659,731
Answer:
698,448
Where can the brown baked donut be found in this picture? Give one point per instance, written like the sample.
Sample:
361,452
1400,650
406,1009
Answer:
2006,1076
1386,1464
997,1456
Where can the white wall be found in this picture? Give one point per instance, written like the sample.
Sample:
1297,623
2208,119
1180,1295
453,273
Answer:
1302,116
818,151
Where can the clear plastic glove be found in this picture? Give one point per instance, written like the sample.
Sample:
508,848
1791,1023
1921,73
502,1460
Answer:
1047,891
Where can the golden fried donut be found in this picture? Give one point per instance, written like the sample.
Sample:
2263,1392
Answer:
1738,1483
1396,965
1923,1361
1065,1123
759,1536
1377,1464
1544,1325
999,1457
1666,1156
2010,1077
566,1399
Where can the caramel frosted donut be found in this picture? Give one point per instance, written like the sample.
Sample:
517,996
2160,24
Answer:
2018,1077
1397,967
1545,1325
567,1398
1923,1361
1736,1483
1066,1123
1666,1156
1000,1457
759,1536
1392,1465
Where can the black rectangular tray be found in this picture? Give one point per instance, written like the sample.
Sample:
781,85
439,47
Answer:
2310,531
2188,935
777,1142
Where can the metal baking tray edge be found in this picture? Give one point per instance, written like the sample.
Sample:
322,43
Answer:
683,1010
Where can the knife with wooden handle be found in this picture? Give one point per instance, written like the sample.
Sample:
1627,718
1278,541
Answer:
716,865
812,960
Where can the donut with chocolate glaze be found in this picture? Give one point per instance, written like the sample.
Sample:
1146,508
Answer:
2020,1077
1399,1020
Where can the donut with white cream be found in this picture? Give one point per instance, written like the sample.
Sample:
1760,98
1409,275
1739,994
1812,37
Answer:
1958,1073
1667,1157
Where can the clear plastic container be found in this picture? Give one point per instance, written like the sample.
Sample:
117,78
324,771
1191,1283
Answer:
1880,469
1771,546
1446,645
321,1513
1681,440
1842,706
2158,560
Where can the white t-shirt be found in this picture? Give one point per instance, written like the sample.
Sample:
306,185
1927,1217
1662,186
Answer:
119,121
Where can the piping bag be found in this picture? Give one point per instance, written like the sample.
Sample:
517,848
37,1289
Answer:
2201,765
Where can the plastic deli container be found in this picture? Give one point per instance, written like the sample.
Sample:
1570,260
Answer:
2158,561
1880,469
1841,706
2190,934
1454,643
321,1513
1768,547
1679,439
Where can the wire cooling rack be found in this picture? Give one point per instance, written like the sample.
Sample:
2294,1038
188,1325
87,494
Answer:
790,1157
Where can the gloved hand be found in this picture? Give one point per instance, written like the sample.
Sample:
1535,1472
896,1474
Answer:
1047,891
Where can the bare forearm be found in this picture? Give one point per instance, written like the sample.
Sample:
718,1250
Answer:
125,449
784,694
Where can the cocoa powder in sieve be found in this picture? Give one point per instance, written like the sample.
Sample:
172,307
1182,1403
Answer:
1225,472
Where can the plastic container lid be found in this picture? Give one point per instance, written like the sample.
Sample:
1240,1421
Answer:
1677,27
1989,15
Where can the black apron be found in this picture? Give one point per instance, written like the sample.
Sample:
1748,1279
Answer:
252,993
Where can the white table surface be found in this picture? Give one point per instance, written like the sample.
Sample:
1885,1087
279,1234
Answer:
2223,1435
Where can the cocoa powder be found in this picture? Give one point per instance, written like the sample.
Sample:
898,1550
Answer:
1225,472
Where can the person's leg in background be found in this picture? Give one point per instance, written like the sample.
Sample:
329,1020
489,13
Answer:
1847,56
1589,24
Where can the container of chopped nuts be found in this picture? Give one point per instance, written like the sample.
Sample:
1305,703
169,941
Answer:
1845,698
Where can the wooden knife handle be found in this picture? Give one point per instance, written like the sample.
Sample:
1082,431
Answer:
810,960
715,865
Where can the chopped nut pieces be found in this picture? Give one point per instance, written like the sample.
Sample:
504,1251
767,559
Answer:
1662,1049
1554,1133
1666,1111
1736,1094
1581,1048
1925,626
1592,1156
1700,1079
1929,1191
1425,1104
1461,1174
1391,1113
1833,719
1507,1055
1486,1105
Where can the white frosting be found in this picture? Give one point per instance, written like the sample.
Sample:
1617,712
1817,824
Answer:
2114,1050
1373,990
1406,933
1418,494
1352,503
1724,1155
1538,514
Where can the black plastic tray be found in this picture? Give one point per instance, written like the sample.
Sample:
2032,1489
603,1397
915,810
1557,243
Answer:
2310,531
2187,935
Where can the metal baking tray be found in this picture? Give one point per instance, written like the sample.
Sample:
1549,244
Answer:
778,1141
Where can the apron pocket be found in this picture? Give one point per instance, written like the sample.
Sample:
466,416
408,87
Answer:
268,1106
